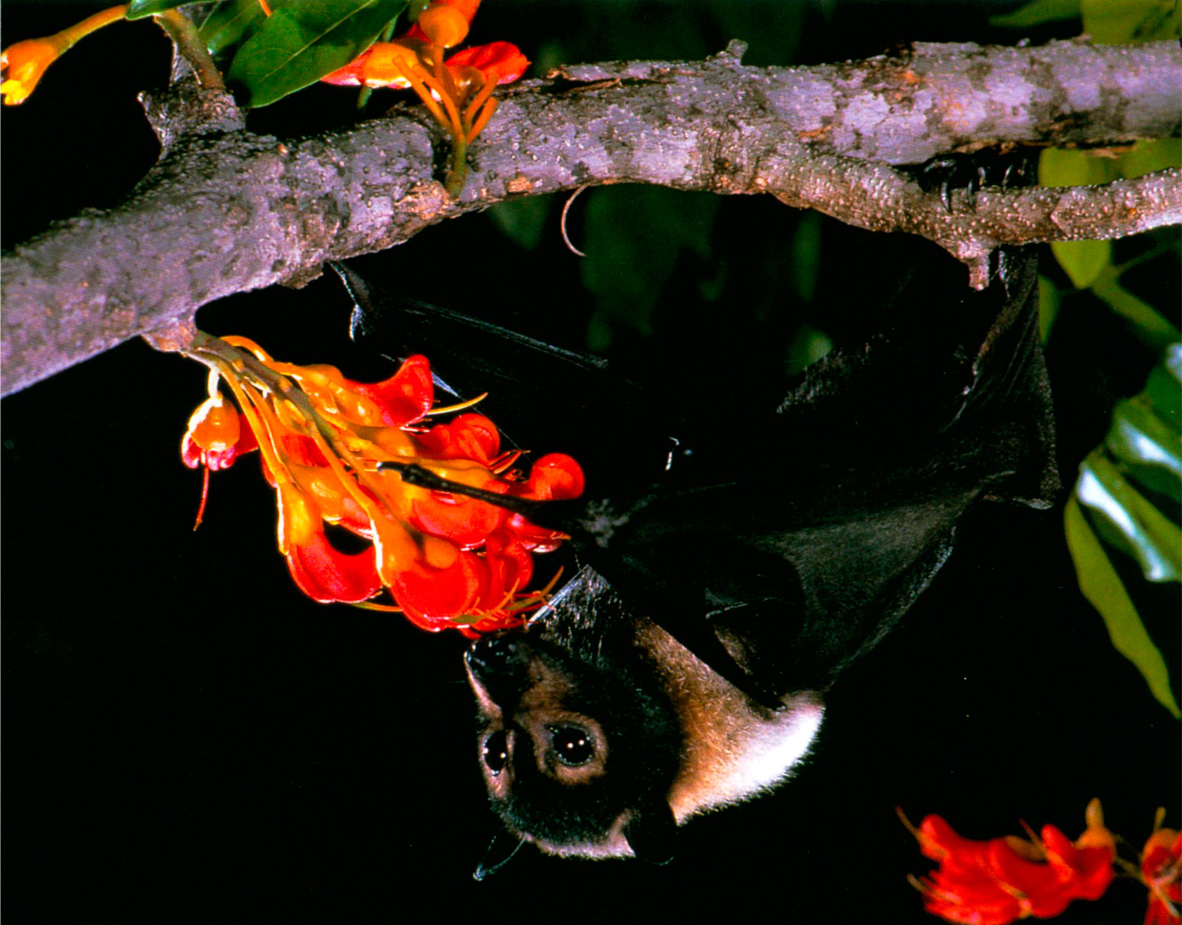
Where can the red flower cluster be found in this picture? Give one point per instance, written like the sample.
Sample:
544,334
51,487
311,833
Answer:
1002,880
1161,871
447,559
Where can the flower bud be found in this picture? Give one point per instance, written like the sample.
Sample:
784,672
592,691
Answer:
443,25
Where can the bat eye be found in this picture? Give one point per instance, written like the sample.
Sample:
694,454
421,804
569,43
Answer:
573,745
495,752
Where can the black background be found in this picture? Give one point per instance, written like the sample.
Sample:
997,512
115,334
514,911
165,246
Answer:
188,739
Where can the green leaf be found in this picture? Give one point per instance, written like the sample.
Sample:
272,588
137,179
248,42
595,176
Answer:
1151,326
226,26
1037,13
1130,522
1102,587
303,41
1115,22
1164,389
1083,261
1150,154
1140,437
138,9
1066,167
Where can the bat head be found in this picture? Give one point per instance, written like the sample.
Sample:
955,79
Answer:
577,758
598,733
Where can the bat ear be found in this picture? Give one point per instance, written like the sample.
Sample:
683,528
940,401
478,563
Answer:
500,852
650,834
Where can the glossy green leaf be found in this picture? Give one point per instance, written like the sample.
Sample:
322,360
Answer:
303,41
1131,522
1037,13
1164,389
226,26
1102,587
1139,436
138,9
1148,446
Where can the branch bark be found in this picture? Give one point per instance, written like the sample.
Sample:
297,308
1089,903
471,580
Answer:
226,211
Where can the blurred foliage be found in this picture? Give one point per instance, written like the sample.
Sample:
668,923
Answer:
1127,501
1108,22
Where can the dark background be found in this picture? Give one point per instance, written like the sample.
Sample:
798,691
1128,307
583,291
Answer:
189,740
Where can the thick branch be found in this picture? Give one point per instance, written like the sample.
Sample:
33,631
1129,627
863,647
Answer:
225,211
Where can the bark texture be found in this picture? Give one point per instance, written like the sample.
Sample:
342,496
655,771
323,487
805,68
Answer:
227,211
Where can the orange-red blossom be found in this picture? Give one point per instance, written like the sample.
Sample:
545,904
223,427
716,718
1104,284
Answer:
458,90
1001,880
447,559
23,64
1161,871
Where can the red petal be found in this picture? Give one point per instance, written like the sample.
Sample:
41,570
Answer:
510,567
327,575
350,74
301,451
405,397
429,596
554,476
464,521
469,436
502,62
191,454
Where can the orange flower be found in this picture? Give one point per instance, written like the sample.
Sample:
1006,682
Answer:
1001,880
23,64
457,91
447,559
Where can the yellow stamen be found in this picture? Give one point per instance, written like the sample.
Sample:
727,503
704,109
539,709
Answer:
266,7
448,409
384,608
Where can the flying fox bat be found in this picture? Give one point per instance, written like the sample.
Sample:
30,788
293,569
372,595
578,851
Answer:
734,557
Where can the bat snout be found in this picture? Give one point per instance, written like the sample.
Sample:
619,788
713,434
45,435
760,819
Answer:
498,666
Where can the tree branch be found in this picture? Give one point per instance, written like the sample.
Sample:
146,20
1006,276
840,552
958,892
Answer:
226,211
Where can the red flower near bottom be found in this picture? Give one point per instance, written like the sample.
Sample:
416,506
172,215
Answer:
1001,880
1161,871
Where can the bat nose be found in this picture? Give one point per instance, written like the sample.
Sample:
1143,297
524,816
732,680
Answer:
497,654
500,665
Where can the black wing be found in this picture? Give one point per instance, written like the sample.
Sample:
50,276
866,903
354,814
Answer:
779,545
